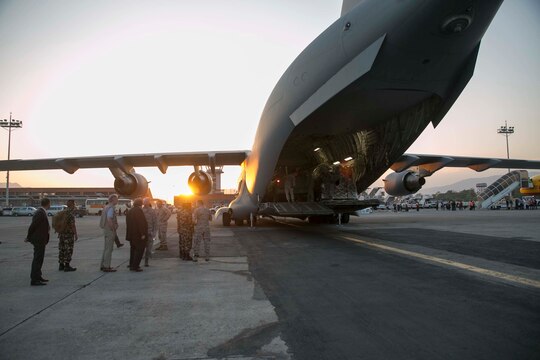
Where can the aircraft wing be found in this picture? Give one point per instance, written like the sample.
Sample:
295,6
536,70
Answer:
128,162
428,164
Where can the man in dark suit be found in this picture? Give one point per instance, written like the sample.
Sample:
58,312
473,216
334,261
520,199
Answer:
136,233
38,235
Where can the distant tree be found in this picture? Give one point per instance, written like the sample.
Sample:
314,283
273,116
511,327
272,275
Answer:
464,195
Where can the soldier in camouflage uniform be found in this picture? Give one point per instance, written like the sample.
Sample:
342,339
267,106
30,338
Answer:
202,217
185,230
151,219
67,238
163,215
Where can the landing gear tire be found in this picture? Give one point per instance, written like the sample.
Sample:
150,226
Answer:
345,218
226,219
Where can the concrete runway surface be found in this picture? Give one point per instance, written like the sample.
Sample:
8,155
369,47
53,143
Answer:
416,285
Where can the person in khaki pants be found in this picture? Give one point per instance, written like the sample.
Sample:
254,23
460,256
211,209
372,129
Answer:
163,215
151,219
201,217
109,224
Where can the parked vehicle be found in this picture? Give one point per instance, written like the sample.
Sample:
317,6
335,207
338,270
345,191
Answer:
23,211
7,211
55,209
80,212
365,211
430,205
95,206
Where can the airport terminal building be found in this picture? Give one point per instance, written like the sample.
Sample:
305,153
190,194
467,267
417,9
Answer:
24,196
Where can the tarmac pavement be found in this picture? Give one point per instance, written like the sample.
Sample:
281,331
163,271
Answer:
171,310
416,285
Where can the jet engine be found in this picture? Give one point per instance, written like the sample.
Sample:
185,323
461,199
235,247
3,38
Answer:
131,185
403,183
200,183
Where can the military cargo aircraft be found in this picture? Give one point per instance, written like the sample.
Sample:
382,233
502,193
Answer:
343,113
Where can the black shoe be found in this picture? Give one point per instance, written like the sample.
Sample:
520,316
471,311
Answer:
43,280
119,246
61,267
207,259
68,268
37,283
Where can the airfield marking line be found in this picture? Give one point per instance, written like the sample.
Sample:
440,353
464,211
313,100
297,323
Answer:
492,273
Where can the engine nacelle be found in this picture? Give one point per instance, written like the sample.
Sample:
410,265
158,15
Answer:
131,185
403,183
200,183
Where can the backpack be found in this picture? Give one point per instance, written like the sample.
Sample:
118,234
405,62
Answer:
59,221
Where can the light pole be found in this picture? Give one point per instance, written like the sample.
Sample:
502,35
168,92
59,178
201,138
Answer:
506,131
12,123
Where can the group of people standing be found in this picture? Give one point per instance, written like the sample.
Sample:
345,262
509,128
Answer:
143,223
39,234
193,225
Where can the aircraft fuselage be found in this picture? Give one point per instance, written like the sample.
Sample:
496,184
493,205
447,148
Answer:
365,89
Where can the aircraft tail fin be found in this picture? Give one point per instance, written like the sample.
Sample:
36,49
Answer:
348,5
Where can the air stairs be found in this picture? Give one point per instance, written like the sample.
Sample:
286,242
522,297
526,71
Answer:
502,187
373,192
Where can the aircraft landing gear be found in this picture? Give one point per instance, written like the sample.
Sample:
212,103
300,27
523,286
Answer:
252,220
226,219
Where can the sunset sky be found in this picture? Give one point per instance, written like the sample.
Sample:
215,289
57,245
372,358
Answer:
100,77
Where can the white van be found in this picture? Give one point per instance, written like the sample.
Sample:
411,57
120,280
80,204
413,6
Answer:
55,209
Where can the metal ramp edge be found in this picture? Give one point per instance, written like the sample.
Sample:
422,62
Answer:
294,209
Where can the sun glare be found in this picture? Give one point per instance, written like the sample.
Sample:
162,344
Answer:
186,193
